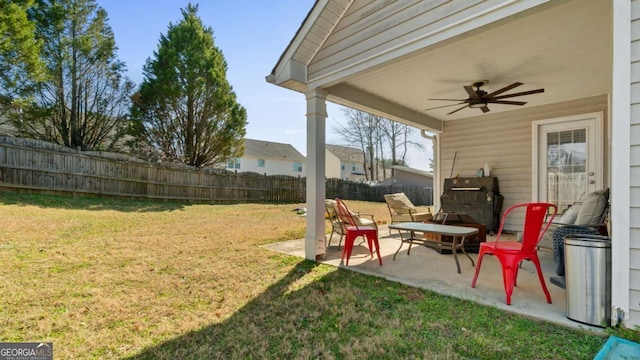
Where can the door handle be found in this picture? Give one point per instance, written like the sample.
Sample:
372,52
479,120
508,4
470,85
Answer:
592,182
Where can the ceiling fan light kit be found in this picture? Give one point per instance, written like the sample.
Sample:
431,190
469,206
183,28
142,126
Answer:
479,99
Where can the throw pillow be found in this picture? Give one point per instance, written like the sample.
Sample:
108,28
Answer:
570,215
593,208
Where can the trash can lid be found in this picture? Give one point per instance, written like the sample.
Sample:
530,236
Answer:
588,240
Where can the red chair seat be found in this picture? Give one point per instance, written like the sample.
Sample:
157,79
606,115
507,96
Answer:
504,246
512,253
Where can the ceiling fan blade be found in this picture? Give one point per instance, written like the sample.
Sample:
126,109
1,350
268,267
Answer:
471,92
520,94
506,88
438,107
448,99
457,110
485,109
505,102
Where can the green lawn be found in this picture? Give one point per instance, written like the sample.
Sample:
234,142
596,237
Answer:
103,278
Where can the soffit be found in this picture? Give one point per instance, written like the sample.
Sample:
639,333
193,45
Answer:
565,49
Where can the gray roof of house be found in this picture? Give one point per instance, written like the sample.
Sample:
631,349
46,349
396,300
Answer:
271,150
345,153
413,171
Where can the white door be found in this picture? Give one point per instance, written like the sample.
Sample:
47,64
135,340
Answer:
569,158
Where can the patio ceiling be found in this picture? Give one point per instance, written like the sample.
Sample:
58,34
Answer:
563,47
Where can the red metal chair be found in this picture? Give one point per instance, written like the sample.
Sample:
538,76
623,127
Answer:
353,230
512,253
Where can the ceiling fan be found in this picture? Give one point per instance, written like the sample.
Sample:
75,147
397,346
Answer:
479,99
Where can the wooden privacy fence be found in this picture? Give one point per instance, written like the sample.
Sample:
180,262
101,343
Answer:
337,188
44,167
37,166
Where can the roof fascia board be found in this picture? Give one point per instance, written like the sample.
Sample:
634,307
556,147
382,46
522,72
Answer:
300,35
294,71
473,21
254,157
287,73
352,97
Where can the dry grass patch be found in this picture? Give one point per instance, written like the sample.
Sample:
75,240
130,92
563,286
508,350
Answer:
111,279
95,277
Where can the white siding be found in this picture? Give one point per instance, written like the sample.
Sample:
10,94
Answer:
634,191
272,167
504,141
634,280
319,31
369,28
369,25
332,166
350,168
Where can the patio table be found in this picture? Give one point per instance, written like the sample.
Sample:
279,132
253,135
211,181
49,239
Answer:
456,232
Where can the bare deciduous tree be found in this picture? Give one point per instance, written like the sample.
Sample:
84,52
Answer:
360,130
375,136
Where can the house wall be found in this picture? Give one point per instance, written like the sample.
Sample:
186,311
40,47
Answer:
634,191
332,166
351,167
510,154
411,179
371,28
272,167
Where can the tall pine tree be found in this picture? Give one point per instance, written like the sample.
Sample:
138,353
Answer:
85,103
20,63
186,109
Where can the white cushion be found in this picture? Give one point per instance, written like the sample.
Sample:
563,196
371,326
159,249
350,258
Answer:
399,202
364,221
411,217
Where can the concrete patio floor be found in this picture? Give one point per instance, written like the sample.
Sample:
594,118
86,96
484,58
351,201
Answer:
426,268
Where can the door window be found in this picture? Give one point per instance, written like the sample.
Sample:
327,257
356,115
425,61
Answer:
569,158
566,166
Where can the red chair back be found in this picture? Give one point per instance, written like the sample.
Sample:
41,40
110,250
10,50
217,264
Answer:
536,222
345,215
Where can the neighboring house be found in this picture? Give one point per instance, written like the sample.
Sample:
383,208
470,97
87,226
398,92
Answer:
270,158
393,59
406,176
347,163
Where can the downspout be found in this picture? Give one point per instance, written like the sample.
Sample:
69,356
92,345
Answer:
436,168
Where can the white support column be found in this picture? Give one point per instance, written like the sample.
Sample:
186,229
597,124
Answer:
620,166
315,239
437,172
435,187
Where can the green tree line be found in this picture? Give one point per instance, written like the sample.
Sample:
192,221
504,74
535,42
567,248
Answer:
61,81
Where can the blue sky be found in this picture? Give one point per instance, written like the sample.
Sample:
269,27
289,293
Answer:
252,34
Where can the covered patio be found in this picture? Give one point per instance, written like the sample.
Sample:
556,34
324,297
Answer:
425,268
395,59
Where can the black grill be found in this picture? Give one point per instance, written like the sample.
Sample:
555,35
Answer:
479,197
